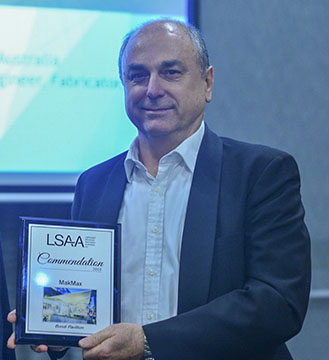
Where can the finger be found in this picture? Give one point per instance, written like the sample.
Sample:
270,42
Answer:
102,350
39,348
57,348
11,317
97,338
90,354
11,341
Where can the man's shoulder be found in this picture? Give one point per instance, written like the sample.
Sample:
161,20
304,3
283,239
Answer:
238,148
100,172
250,149
107,165
247,157
242,157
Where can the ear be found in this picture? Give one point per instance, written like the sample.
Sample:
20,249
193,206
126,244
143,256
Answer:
209,82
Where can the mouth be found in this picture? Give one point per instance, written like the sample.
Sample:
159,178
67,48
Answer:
158,110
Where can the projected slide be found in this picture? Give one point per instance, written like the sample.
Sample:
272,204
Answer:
61,100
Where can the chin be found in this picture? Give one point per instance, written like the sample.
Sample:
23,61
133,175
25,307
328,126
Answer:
156,132
157,127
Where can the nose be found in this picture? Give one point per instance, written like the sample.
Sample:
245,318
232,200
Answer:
154,87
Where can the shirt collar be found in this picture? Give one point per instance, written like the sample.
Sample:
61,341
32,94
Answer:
188,151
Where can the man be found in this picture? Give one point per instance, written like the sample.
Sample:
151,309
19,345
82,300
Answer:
215,253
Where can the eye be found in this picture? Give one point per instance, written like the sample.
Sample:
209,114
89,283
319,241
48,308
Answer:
137,76
172,73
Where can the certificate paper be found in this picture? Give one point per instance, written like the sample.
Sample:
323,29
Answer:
68,284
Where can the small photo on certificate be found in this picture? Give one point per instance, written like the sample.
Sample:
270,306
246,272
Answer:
68,305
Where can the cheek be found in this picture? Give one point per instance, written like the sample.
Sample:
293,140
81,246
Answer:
129,101
193,99
132,100
134,94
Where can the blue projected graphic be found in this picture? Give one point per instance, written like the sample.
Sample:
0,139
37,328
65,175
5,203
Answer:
61,100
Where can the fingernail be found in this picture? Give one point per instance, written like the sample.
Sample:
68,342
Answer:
83,342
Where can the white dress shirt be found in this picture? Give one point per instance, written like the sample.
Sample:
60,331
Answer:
152,217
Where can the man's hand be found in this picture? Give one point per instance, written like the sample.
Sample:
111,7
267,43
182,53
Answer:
37,348
11,341
117,342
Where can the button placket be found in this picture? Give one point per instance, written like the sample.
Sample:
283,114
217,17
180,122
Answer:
153,256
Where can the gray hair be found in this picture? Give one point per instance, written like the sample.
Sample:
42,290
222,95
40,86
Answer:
202,56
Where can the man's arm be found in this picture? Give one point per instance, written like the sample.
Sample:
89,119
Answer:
270,307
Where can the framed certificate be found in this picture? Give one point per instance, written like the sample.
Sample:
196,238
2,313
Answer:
68,283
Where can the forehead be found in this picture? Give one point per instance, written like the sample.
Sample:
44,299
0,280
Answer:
159,44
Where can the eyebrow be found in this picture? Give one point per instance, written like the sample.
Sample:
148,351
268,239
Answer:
166,63
170,63
133,67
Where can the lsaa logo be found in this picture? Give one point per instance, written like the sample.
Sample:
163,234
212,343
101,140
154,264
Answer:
64,240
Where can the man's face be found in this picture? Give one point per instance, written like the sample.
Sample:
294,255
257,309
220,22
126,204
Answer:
164,90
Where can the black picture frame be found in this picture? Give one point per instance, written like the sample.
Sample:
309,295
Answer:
68,337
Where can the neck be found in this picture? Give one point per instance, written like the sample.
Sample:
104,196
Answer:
152,149
150,153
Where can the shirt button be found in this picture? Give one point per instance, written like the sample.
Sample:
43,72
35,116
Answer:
155,229
149,316
157,189
152,272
